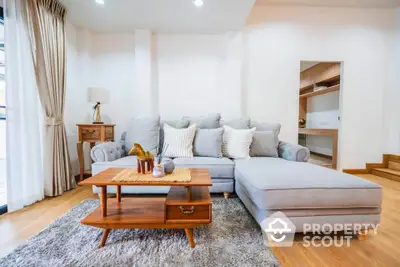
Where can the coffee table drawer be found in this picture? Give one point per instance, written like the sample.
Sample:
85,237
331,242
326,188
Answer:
188,212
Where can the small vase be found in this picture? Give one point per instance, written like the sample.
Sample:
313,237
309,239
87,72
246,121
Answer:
168,165
158,171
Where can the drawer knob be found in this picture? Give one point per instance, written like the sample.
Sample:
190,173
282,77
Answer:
186,211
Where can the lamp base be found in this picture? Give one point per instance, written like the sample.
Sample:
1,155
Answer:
98,122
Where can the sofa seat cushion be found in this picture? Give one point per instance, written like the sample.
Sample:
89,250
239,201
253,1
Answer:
299,217
218,167
129,161
125,162
274,183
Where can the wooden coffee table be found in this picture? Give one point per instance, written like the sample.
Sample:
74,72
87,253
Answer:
187,205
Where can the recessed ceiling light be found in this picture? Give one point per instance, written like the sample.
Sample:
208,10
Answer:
100,2
198,3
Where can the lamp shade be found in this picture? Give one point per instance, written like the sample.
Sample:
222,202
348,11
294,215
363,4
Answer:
98,95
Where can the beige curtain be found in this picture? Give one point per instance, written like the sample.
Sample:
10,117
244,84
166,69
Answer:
46,27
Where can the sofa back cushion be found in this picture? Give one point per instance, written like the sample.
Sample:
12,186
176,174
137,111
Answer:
205,122
178,143
242,123
265,126
145,131
208,143
264,144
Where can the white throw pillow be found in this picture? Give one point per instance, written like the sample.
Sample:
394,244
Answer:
236,143
179,141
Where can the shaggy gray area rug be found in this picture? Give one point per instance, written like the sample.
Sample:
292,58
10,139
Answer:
232,239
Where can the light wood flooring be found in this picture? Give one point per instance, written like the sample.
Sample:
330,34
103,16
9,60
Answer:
319,160
380,250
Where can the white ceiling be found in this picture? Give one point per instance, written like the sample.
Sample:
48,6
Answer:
179,16
339,3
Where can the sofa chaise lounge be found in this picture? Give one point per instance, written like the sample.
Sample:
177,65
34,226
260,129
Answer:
306,193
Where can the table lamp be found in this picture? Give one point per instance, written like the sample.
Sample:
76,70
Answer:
97,96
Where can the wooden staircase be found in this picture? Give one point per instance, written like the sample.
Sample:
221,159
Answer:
389,168
392,171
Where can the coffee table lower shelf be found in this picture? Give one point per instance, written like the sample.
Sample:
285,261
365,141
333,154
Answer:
174,211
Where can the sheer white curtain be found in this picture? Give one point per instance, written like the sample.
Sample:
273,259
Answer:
25,183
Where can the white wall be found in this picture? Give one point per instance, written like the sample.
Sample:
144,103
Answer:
72,100
278,38
113,68
194,75
391,119
98,60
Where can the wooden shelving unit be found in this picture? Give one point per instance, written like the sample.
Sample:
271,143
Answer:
308,131
323,74
320,74
321,92
333,79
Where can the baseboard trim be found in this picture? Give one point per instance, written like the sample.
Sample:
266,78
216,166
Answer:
355,171
370,166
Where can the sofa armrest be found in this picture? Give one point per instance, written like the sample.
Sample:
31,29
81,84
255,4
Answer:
107,152
293,152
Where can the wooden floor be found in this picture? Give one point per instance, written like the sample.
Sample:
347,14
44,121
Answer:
321,161
380,250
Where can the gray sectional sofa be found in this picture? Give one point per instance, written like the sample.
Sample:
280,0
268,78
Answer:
306,193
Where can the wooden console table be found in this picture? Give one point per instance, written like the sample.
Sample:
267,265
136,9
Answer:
325,132
92,133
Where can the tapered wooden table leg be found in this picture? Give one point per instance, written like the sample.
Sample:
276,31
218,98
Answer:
103,199
118,193
189,234
104,238
362,234
79,147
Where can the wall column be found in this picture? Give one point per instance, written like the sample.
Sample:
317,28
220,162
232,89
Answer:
144,102
233,76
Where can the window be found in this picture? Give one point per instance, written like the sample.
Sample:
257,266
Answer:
3,201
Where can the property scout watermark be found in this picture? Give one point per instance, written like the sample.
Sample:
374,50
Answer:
279,231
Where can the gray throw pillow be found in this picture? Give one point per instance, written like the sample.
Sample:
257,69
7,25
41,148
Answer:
144,131
265,126
264,144
208,143
177,124
205,122
242,123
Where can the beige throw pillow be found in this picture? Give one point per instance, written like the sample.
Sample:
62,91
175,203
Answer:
179,141
236,143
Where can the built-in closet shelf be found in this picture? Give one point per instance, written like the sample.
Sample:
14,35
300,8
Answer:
332,79
322,91
308,131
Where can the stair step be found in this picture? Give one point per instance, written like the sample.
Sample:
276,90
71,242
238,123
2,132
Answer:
395,158
387,173
394,165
